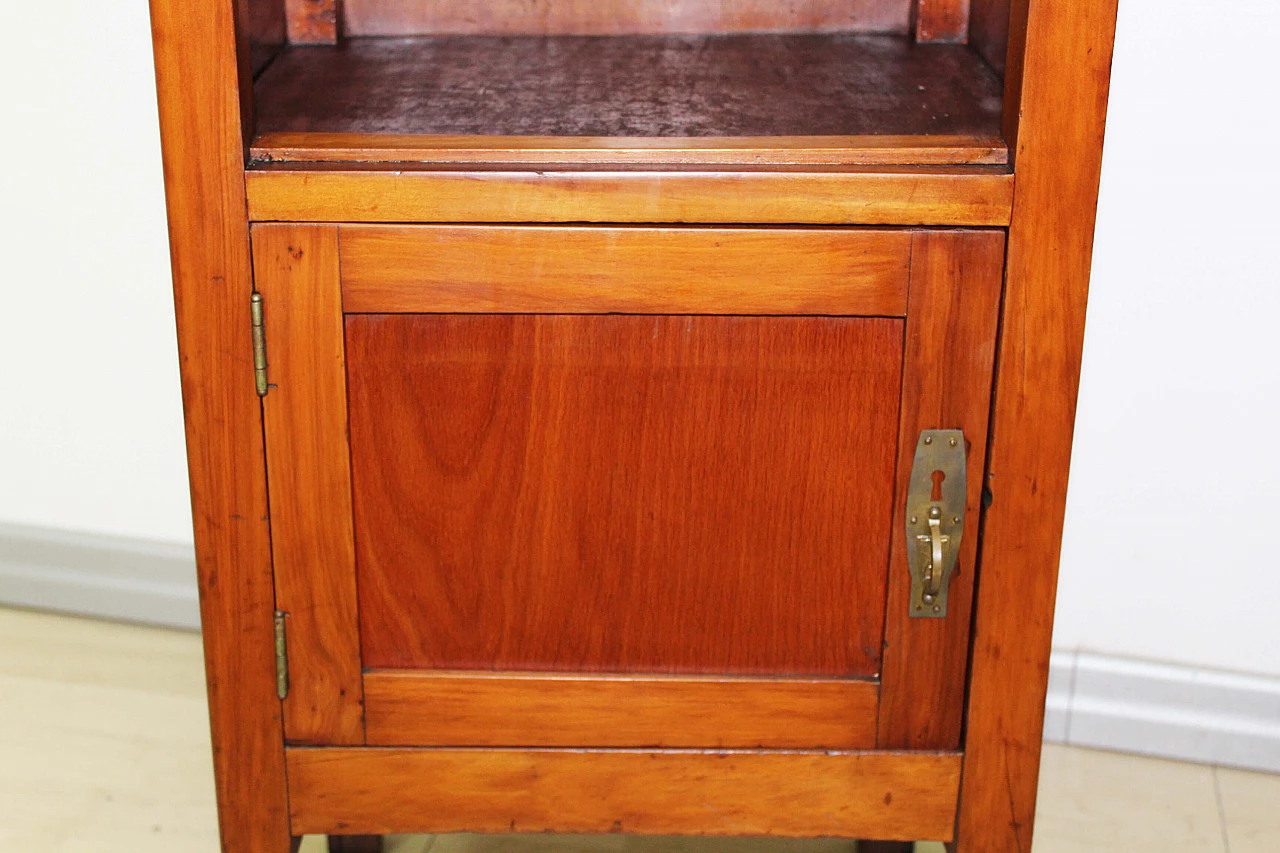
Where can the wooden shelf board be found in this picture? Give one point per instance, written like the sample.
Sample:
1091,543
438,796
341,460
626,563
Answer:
618,151
773,100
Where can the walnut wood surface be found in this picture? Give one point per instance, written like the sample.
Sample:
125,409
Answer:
674,494
313,21
958,195
600,152
620,17
1064,87
309,478
646,86
989,31
894,796
198,84
942,21
956,279
524,269
513,709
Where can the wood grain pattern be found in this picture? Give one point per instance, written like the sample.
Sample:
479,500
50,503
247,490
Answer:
942,21
527,269
956,280
989,31
309,476
730,86
613,151
313,21
696,495
621,17
1065,84
959,195
894,796
513,709
198,82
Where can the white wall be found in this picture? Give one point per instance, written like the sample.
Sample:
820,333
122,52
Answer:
1176,473
90,413
1173,478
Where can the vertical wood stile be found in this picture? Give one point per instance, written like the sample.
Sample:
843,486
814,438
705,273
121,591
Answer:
200,79
953,306
1064,88
309,476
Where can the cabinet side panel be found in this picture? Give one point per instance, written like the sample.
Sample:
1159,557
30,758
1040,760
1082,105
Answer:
1015,59
1064,99
621,17
989,31
197,81
951,336
309,472
263,28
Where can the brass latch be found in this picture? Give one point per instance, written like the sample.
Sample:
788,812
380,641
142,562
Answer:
935,519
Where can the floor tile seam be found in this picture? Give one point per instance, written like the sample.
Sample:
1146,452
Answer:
1222,811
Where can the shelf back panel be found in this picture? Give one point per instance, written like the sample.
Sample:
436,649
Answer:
621,17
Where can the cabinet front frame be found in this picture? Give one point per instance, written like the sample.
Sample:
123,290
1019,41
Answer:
945,283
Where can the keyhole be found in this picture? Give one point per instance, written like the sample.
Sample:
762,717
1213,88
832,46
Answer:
937,477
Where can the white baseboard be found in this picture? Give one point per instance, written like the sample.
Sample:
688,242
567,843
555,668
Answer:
1164,710
1094,700
107,576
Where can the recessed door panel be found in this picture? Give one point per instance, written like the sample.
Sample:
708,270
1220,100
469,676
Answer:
628,494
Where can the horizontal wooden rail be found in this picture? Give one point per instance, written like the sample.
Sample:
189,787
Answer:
943,196
516,709
889,796
568,270
613,151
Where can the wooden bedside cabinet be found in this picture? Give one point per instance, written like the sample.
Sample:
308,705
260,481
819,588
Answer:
633,417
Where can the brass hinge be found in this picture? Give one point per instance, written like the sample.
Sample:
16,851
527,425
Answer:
259,344
282,657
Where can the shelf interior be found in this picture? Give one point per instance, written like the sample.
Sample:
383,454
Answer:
835,98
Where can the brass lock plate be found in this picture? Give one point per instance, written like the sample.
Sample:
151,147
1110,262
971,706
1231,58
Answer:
935,519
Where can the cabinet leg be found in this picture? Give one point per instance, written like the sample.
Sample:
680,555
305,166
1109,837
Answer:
355,844
886,847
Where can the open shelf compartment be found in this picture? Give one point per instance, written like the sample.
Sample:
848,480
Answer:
733,83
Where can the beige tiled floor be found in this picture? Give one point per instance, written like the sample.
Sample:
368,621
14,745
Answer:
104,748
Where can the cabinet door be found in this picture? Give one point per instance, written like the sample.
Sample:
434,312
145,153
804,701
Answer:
617,487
